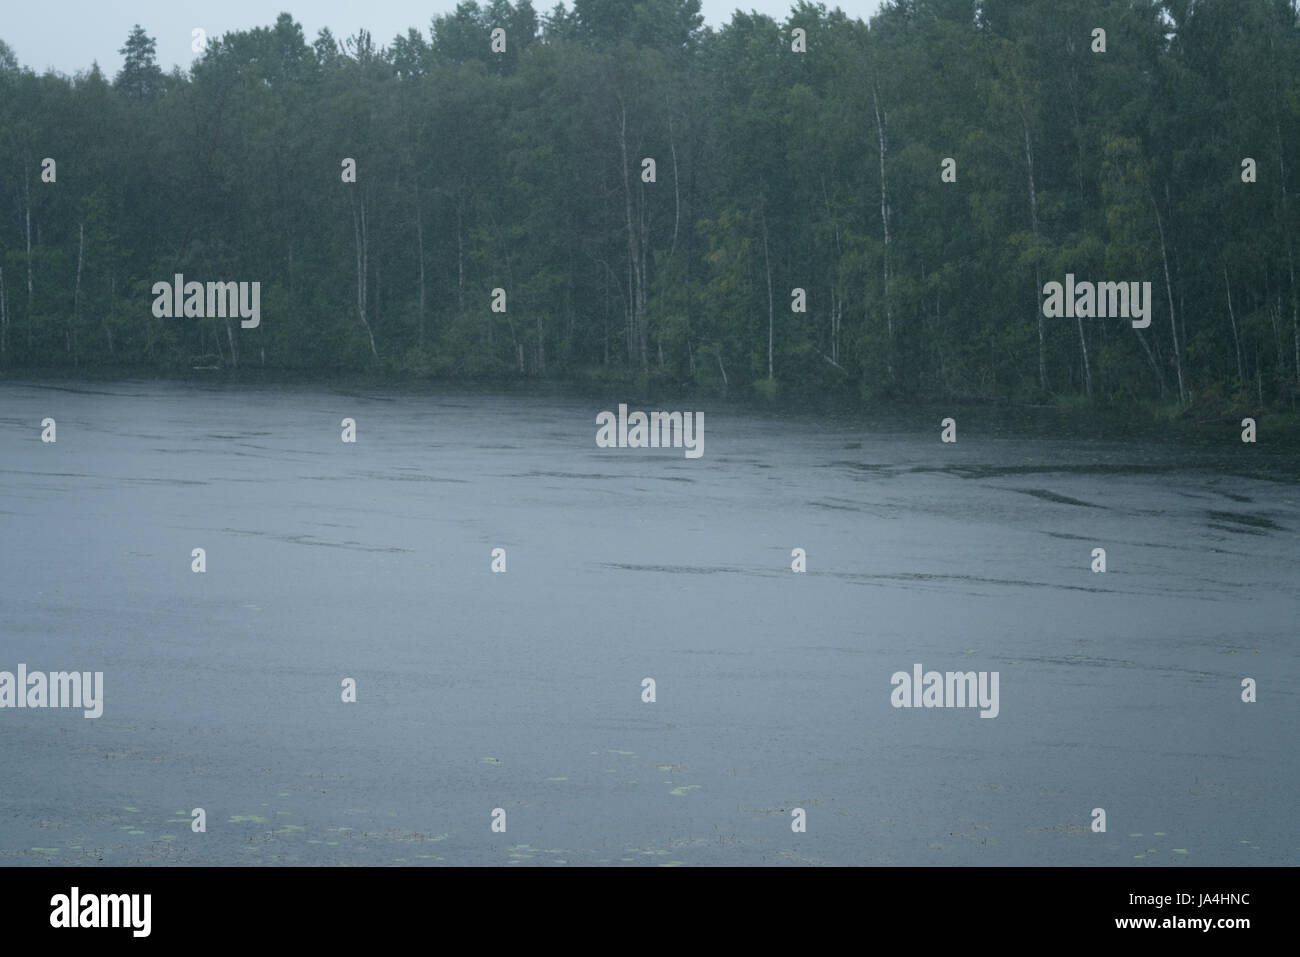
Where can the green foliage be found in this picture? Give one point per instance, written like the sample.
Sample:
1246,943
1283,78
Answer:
773,170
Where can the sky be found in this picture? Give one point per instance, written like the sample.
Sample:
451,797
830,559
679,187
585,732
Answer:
68,36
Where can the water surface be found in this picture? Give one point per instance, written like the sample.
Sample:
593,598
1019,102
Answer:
523,690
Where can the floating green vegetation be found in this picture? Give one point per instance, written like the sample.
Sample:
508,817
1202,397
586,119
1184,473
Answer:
1159,833
682,789
135,832
167,837
614,751
133,810
672,864
247,819
46,850
288,828
490,761
283,794
332,843
1180,850
557,779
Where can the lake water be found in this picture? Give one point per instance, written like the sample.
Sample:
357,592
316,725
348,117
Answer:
523,690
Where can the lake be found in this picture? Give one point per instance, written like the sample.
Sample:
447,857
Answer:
522,691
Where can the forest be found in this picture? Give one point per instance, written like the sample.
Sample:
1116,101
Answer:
614,192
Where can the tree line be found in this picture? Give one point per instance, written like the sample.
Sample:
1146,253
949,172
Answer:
615,191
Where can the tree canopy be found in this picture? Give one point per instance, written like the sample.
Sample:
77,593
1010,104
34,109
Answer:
657,198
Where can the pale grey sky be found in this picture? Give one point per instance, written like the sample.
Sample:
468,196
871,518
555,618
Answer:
67,36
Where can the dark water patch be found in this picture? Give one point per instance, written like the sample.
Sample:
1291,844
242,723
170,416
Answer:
1054,497
1241,518
838,508
366,397
968,579
1236,530
866,467
1197,548
1235,497
354,546
165,481
1088,661
49,474
382,476
570,475
313,540
61,388
993,471
676,569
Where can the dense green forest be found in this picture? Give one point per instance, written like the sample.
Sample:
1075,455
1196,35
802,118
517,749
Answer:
775,169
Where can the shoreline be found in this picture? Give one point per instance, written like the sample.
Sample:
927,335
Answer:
1067,416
